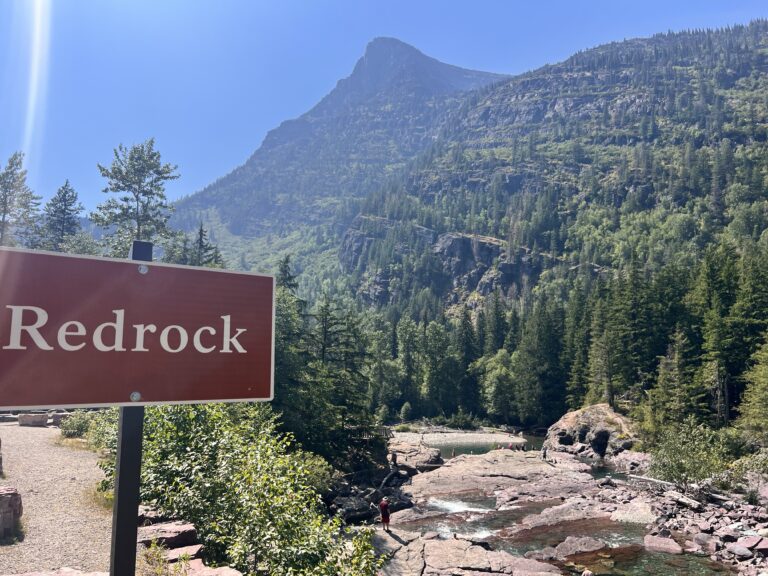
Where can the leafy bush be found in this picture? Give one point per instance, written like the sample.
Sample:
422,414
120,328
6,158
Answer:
403,428
227,469
688,454
405,412
76,424
462,421
382,415
102,433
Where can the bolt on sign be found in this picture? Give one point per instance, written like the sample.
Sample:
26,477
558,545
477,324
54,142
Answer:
78,331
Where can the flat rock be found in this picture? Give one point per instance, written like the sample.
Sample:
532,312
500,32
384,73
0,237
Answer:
169,534
658,544
509,474
742,552
635,512
415,457
188,552
575,545
423,556
749,541
197,568
762,547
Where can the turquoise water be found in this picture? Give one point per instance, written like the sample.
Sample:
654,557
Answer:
634,560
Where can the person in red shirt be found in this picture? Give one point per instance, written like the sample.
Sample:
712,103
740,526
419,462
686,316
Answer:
384,511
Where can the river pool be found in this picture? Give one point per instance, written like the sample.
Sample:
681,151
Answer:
473,516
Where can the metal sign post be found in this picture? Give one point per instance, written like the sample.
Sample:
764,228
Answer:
125,508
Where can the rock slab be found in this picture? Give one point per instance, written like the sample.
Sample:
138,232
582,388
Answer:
659,544
169,534
39,420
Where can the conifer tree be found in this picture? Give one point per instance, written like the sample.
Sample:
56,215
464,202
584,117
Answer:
753,419
467,351
19,206
60,217
141,212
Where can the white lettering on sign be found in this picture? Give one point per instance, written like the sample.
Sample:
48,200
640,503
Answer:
71,336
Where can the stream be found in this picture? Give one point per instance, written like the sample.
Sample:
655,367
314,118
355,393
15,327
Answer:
474,516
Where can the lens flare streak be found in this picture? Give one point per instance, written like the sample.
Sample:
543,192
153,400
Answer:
38,70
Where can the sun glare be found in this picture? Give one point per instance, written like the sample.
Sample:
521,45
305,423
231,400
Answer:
39,36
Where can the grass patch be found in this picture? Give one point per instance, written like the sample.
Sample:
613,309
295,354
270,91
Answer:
151,562
101,499
77,443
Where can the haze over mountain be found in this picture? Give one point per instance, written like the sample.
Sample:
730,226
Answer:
388,110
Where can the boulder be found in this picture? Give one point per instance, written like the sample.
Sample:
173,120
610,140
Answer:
659,544
11,510
169,534
575,545
707,542
58,417
741,552
33,419
354,508
595,431
149,515
415,458
635,512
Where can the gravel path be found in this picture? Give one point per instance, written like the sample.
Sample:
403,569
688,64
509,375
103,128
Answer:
63,525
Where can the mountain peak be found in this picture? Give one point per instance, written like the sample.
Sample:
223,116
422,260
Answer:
391,64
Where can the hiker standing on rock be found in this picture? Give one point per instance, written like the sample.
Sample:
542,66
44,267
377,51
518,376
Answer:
384,511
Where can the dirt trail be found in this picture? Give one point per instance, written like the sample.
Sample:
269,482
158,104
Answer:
64,526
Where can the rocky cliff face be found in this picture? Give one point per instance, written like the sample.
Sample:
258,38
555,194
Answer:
468,263
388,110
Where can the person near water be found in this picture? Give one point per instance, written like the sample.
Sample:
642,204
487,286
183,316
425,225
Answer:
384,511
544,453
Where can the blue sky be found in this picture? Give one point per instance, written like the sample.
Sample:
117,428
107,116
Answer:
209,78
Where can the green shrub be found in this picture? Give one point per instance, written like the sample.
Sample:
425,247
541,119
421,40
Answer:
382,415
462,421
102,433
688,454
405,412
252,497
76,424
403,428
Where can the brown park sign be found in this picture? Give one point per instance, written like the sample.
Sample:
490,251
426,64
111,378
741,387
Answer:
78,331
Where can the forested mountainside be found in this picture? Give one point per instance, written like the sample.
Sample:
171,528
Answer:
592,230
604,219
387,111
